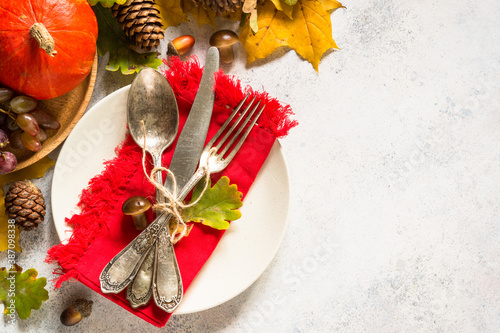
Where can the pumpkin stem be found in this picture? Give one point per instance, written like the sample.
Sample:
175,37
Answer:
43,37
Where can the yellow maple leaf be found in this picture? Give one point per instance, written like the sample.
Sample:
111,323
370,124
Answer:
309,33
280,5
36,170
8,232
171,12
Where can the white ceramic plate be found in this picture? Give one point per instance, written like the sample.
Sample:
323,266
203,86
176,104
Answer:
247,247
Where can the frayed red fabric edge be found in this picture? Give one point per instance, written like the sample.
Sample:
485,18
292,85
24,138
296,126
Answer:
184,77
97,199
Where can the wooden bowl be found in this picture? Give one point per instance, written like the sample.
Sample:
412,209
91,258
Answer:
67,110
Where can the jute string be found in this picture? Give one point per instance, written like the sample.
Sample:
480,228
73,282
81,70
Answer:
172,205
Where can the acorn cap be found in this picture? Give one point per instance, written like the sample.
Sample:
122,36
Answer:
171,50
84,306
135,205
223,38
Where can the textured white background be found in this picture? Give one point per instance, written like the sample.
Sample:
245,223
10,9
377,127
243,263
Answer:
394,222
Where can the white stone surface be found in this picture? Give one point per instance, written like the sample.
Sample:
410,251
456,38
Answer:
394,221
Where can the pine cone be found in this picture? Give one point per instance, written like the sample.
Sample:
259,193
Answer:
220,6
25,204
140,19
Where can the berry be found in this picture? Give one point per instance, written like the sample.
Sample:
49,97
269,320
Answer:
4,140
41,136
3,119
45,120
8,162
11,124
15,140
22,126
22,104
5,94
28,123
30,142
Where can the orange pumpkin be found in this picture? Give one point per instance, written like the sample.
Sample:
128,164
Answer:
47,47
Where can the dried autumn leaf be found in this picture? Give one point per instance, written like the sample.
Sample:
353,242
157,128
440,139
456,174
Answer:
237,15
106,3
22,291
285,8
177,228
218,205
36,170
253,21
309,33
200,14
8,232
112,39
249,5
171,12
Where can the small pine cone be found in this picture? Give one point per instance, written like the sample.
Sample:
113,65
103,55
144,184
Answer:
220,6
140,20
25,204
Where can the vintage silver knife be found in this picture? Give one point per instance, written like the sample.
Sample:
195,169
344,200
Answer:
167,293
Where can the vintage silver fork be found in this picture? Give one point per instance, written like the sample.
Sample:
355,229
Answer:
215,157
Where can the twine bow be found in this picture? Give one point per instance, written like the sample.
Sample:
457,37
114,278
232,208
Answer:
173,204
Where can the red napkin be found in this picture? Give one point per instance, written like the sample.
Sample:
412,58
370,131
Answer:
100,231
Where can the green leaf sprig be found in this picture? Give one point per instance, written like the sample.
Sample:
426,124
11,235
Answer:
218,205
21,291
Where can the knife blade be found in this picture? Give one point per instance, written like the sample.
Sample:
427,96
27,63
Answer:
194,133
167,292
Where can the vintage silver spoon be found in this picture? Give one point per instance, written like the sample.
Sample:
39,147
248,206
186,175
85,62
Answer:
164,127
151,100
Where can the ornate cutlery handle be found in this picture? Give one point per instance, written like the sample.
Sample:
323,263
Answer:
139,292
167,282
121,270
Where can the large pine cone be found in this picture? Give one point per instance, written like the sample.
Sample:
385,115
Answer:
140,19
25,204
220,6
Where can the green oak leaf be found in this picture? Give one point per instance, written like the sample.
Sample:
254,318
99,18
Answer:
106,3
112,39
22,290
217,206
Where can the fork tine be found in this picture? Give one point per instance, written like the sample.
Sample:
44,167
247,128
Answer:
243,138
237,121
240,128
226,123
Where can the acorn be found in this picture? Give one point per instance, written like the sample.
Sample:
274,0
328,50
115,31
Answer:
76,312
183,44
